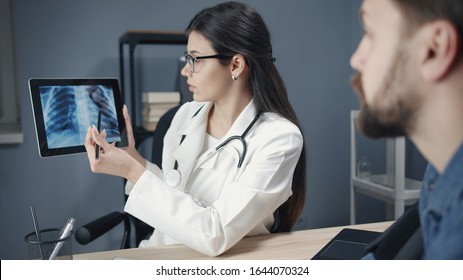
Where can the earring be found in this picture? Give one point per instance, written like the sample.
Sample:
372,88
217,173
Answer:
234,77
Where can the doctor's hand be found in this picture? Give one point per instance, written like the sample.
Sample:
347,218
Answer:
112,160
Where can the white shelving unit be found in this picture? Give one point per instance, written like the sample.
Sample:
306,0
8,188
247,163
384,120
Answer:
392,186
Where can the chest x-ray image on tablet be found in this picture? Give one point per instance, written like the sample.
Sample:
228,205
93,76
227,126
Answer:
65,108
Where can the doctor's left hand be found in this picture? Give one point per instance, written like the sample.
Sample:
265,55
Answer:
112,160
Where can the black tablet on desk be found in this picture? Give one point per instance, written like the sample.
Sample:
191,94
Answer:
65,108
348,244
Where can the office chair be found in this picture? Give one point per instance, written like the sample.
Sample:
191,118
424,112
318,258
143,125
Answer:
94,229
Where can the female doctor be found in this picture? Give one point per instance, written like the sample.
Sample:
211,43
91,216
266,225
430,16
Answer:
233,159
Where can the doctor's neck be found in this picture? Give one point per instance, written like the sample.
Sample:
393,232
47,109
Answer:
224,113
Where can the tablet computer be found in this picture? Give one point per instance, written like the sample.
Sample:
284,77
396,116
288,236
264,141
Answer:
348,244
64,109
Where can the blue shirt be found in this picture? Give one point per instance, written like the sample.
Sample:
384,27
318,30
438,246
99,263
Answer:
441,210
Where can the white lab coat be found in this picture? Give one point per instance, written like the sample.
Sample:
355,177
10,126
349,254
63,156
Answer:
211,217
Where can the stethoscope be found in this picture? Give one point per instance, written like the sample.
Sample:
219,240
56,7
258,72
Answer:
173,176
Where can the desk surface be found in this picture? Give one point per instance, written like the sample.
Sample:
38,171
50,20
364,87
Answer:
302,244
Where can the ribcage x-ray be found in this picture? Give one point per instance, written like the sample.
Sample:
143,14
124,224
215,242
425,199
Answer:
69,111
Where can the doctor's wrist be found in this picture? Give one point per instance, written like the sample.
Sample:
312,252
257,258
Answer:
134,172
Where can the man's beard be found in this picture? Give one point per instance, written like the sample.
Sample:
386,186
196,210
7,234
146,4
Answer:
393,117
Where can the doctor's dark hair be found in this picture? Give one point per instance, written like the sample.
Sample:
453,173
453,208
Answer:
236,28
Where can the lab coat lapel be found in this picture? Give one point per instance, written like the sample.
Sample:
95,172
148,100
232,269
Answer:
188,151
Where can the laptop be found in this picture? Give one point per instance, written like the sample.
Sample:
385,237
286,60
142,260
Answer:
348,244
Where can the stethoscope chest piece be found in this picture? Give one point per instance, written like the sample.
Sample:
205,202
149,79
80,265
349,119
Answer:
173,178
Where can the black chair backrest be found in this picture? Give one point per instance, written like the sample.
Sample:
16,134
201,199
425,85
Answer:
142,229
402,240
158,136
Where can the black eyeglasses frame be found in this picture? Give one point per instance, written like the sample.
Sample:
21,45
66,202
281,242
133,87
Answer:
191,60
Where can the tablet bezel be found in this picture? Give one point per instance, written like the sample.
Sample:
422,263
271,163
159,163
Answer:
34,89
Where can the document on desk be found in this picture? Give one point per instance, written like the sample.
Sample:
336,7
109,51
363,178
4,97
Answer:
348,244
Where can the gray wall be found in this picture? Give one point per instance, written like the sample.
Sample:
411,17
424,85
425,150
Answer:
313,41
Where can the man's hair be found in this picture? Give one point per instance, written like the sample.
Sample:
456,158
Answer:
420,12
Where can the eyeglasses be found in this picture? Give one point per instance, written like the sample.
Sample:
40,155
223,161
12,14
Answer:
191,60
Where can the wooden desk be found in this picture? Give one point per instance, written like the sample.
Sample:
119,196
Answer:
290,246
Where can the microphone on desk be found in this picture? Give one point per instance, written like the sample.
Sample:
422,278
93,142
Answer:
91,231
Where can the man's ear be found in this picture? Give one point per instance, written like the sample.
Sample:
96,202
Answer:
238,65
442,43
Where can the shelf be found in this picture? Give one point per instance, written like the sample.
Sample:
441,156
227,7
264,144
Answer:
11,136
133,38
391,187
137,37
381,187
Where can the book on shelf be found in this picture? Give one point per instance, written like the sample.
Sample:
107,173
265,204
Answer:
161,97
155,105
